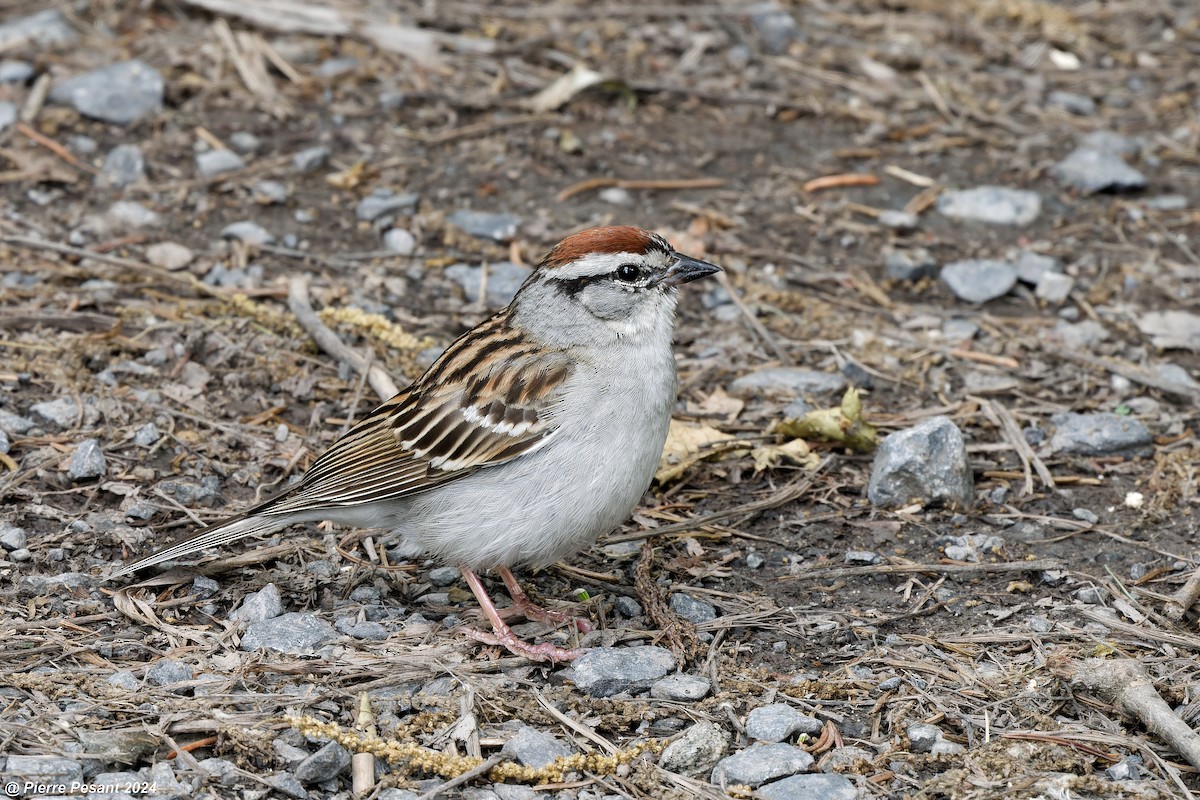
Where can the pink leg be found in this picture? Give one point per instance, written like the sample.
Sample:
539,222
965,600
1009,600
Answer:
503,636
532,610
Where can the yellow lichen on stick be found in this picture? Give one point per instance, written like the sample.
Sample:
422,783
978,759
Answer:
843,424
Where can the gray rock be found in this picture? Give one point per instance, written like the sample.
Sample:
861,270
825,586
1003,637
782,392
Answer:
681,688
691,609
400,241
12,537
244,142
979,280
1081,335
776,27
268,193
398,794
117,747
171,256
286,784
5,446
1032,267
1054,287
121,93
927,462
216,162
311,159
909,264
15,424
1111,142
779,721
326,763
293,633
533,748
605,671
124,679
21,555
615,195
1166,202
87,462
8,114
754,766
15,71
46,28
996,205
627,607
1090,171
384,201
370,631
204,586
43,770
821,786
1077,104
787,381
1085,515
504,279
899,220
444,576
247,231
862,557
755,561
169,672
923,737
335,67
486,225
124,215
264,604
1100,434
1127,769
189,492
62,413
123,166
697,751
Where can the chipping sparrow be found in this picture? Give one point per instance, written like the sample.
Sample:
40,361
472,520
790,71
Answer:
532,434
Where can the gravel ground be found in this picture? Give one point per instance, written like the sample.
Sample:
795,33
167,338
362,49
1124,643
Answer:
977,217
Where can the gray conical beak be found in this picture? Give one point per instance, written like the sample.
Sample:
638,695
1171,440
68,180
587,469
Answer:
687,269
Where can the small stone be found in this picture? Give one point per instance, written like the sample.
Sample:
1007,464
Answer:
382,202
996,205
293,633
15,71
1032,267
12,537
124,215
47,28
504,279
922,737
1127,769
787,381
1111,142
862,557
899,220
821,786
40,771
264,604
366,631
1078,104
328,762
400,241
121,93
1040,625
444,576
1166,202
627,607
169,672
1090,595
908,264
204,586
1055,288
15,424
615,195
335,67
124,165
170,256
1085,515
697,751
979,280
87,462
1080,335
695,611
605,671
268,193
286,784
8,115
1100,434
486,225
755,561
1090,171
244,142
21,555
755,766
533,748
5,446
311,159
778,722
124,679
682,688
247,231
927,462
215,162
776,27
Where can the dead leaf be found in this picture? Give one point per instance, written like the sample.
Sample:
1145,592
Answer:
794,451
843,424
686,444
720,404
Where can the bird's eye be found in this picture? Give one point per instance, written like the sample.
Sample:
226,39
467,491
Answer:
628,273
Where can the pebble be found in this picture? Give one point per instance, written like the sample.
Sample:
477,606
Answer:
384,201
124,215
627,607
286,784
124,679
169,672
1080,335
778,722
789,381
247,231
189,492
264,604
444,576
400,241
123,166
328,762
293,633
680,687
216,162
503,280
899,220
1166,202
1078,104
1054,288
335,67
170,256
1032,267
15,71
204,586
1085,515
927,462
1100,434
862,557
697,751
755,561
399,794
534,748
311,159
44,770
922,737
268,193
605,671
121,93
47,28
755,766
820,786
5,446
908,264
693,610
87,462
979,280
486,225
61,412
8,114
12,537
776,27
1127,769
1092,170
244,142
367,631
615,195
996,205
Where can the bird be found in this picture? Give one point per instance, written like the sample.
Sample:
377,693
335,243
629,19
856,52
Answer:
529,437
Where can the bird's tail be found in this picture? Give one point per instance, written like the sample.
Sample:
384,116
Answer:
222,533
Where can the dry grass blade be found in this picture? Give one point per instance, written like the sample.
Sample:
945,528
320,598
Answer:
247,51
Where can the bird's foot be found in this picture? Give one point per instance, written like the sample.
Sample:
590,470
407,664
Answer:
532,610
519,647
